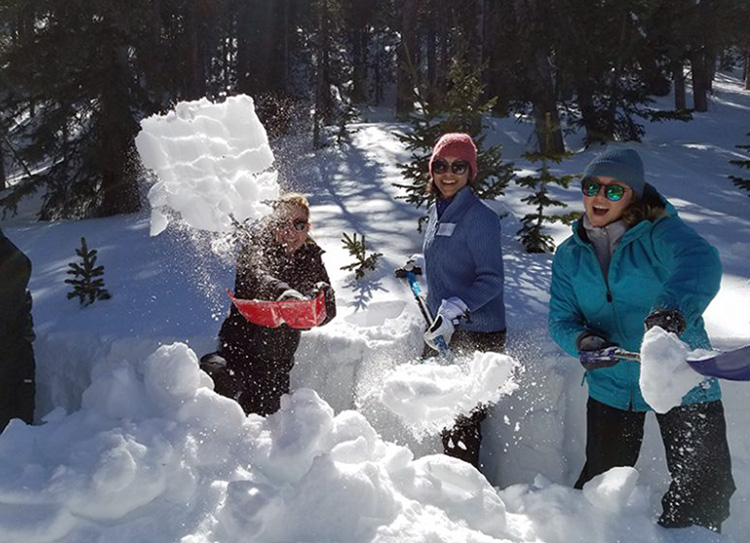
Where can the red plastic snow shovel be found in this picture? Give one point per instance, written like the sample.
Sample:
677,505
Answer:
293,313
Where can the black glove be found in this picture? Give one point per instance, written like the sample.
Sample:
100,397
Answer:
595,351
591,341
213,363
414,265
320,286
670,320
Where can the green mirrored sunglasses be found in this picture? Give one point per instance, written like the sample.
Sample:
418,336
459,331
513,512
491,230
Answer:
613,193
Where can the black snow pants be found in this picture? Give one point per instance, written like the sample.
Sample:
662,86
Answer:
259,361
464,440
696,449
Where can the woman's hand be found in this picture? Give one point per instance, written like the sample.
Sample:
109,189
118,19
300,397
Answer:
596,351
670,320
291,294
415,264
450,313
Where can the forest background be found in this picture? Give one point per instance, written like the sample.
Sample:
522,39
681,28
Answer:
77,76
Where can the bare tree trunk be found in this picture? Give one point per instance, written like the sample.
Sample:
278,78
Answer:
407,69
678,77
432,60
3,177
323,103
543,97
546,117
281,74
700,80
359,61
243,29
477,43
116,131
711,59
191,28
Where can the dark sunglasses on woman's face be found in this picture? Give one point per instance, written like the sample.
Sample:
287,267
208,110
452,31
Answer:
298,224
459,167
613,193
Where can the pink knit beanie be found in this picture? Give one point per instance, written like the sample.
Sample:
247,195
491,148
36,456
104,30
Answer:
460,146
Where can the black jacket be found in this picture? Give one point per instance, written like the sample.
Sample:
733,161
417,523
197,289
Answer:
17,387
264,272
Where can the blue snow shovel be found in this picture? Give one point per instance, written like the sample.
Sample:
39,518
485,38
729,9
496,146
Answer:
731,365
417,291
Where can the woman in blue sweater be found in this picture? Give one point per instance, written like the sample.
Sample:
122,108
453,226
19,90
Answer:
463,266
632,264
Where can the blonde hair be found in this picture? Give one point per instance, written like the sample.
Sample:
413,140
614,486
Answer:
291,199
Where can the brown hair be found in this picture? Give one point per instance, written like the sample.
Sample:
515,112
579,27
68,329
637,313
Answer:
648,207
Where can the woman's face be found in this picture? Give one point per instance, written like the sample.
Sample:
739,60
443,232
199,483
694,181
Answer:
449,183
290,225
601,210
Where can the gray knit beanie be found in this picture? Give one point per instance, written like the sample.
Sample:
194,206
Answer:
619,163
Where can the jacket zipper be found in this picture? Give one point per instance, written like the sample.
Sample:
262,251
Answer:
610,299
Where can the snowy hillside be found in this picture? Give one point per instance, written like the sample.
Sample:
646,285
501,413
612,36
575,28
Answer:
135,447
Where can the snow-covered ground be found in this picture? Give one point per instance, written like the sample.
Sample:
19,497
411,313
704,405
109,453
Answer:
133,446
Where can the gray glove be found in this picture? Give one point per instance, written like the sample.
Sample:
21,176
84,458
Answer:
291,294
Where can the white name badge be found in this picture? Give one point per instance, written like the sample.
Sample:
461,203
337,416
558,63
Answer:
446,229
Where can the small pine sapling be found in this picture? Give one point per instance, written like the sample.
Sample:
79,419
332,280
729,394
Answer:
88,284
741,182
357,249
532,234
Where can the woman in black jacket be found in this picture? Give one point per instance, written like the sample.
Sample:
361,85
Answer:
281,262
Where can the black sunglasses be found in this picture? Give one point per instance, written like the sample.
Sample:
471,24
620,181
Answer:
298,224
459,167
613,193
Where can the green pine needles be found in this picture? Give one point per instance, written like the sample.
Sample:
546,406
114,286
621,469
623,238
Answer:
88,284
741,182
532,234
357,249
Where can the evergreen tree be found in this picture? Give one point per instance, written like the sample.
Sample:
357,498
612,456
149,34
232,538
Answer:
77,98
597,49
741,182
88,282
461,110
532,233
357,249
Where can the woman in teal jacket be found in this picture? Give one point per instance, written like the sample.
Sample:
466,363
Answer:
631,264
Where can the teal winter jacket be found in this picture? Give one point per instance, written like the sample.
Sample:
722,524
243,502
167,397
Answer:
660,264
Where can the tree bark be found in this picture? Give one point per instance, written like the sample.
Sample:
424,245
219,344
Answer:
700,80
678,77
359,68
3,177
116,131
407,68
476,49
539,74
323,101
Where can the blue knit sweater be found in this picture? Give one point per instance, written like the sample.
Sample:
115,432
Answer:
464,258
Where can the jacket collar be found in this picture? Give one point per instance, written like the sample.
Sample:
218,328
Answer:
461,202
